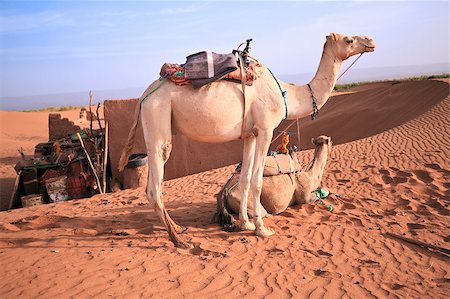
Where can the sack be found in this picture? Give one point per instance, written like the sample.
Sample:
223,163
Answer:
206,67
279,164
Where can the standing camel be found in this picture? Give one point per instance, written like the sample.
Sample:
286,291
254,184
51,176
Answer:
214,114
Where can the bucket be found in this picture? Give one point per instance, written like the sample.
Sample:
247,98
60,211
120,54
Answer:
31,200
56,188
136,173
136,160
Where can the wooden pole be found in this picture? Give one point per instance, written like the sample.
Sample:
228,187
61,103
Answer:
90,163
90,112
105,156
14,194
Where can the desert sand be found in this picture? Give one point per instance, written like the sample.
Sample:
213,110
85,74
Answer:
391,168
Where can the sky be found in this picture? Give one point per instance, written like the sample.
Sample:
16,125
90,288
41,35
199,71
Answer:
69,46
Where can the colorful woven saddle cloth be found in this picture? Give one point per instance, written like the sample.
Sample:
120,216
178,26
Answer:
206,67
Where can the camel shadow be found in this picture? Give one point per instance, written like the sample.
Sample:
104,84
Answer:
121,226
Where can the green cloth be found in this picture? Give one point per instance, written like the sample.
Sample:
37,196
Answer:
322,193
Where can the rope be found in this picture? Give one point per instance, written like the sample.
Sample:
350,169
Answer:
283,93
162,79
350,66
278,136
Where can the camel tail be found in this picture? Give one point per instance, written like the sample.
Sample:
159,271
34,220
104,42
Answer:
131,136
130,142
223,216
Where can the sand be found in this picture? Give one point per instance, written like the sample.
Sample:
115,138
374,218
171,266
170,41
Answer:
114,245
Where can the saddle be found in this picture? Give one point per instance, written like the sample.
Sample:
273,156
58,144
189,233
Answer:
280,164
206,67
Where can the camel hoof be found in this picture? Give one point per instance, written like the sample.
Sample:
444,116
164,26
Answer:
180,229
182,245
247,225
264,232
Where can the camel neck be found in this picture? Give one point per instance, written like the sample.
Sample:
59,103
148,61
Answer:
326,76
299,98
319,162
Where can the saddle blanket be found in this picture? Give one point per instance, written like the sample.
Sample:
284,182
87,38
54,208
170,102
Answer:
177,74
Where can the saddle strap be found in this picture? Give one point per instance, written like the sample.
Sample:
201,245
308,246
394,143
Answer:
244,135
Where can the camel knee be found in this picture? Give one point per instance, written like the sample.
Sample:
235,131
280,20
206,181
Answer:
256,185
244,181
165,151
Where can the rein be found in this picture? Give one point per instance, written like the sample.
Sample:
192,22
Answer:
283,93
350,66
313,99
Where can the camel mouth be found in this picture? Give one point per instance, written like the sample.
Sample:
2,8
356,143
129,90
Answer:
369,49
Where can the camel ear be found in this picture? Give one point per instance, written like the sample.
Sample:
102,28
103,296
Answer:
313,141
333,36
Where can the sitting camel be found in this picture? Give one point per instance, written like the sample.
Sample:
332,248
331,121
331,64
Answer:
217,113
278,191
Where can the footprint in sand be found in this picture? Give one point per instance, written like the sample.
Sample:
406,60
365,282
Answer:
397,286
348,206
356,221
387,179
424,176
364,180
390,212
323,273
324,253
434,166
343,181
370,263
399,179
414,226
385,172
203,253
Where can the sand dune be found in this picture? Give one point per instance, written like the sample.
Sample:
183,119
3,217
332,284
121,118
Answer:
395,181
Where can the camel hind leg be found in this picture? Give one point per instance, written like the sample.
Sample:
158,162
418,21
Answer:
156,122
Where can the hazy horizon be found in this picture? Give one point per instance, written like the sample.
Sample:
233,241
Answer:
81,98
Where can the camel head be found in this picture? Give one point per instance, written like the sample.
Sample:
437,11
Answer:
345,46
322,140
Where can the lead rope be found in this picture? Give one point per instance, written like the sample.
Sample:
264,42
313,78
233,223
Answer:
314,103
350,66
243,83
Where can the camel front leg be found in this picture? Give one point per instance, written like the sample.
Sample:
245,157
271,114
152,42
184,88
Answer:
244,182
262,146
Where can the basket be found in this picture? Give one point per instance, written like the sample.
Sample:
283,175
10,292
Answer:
56,189
31,200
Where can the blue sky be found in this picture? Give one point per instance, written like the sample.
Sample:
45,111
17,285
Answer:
65,46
